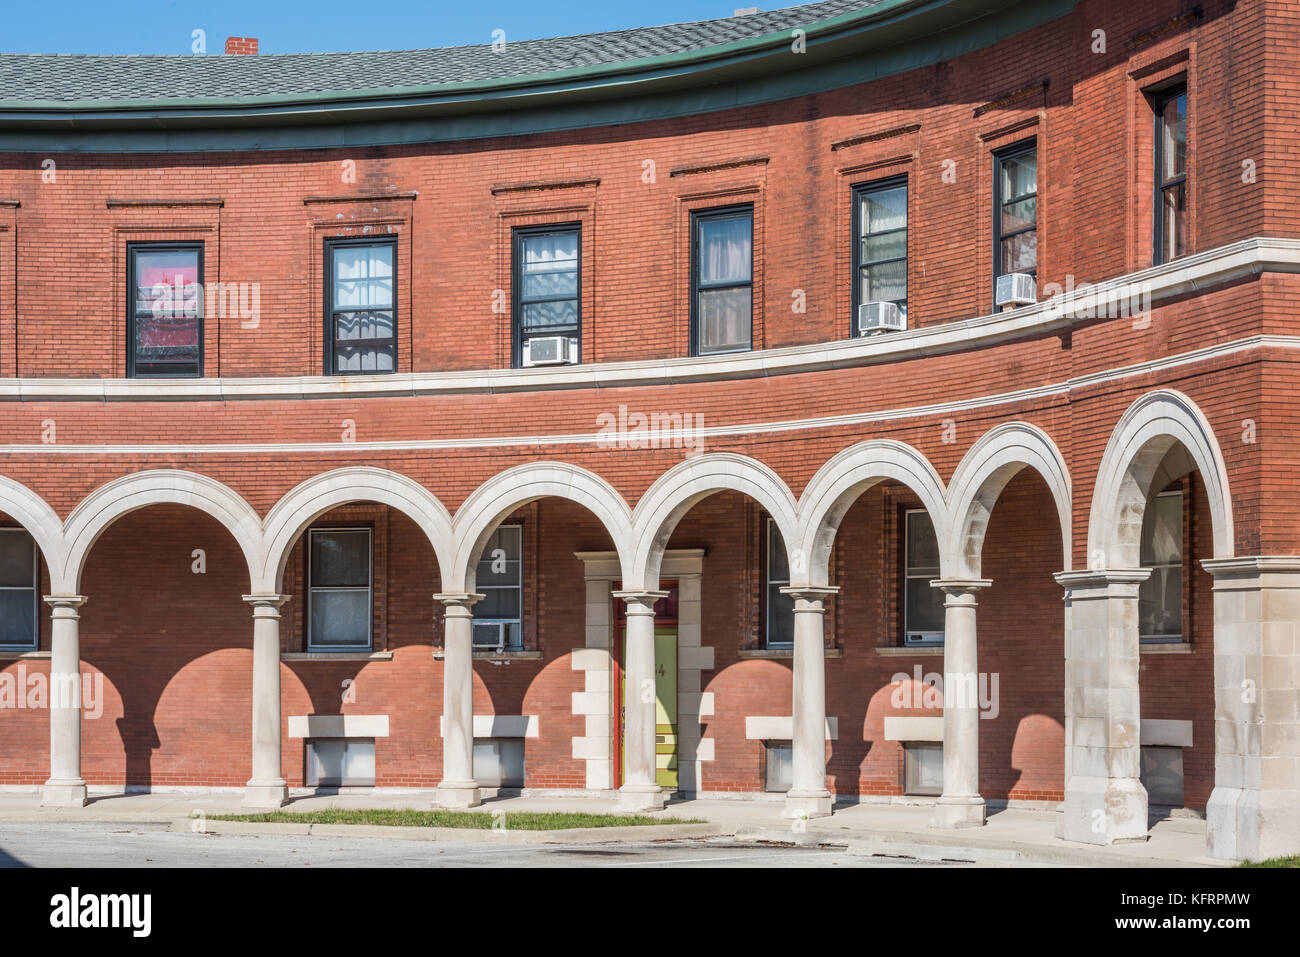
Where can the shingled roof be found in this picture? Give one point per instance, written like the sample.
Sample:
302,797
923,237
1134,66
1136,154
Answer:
89,79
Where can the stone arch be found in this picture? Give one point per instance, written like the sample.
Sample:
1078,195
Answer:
35,515
312,498
993,461
1141,457
686,484
487,505
102,507
841,481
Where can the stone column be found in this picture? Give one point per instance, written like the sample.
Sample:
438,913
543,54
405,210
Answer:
960,804
640,790
458,789
808,796
1105,802
1254,810
65,788
267,787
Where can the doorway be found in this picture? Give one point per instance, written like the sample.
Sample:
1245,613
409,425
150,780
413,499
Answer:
666,726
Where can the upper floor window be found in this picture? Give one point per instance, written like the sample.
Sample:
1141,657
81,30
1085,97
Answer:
722,280
922,604
341,586
1015,211
547,285
880,245
165,311
361,308
1171,173
19,586
779,609
1160,597
498,617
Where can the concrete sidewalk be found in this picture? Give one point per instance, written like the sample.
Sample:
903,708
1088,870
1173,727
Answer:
1011,836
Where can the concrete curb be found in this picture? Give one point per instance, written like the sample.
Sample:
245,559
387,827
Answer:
979,851
578,835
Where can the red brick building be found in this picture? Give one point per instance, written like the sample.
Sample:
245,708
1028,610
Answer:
691,408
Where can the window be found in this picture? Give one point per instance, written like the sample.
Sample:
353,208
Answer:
1171,173
498,617
499,762
922,605
1015,211
339,572
880,245
361,311
547,285
1160,597
340,762
1162,775
779,771
165,310
922,767
20,571
722,277
779,610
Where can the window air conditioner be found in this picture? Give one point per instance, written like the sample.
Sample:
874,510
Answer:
550,351
924,638
880,317
489,636
1016,289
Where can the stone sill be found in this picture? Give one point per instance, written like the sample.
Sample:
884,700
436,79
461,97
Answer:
336,656
439,654
894,651
1168,648
14,654
781,653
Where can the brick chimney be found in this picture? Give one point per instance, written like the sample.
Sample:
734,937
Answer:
242,45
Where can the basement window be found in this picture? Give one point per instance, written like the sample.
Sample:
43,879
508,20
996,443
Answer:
923,768
340,762
1162,775
499,762
778,775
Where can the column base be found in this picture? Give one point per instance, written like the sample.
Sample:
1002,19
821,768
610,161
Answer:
641,797
1246,824
265,794
808,804
954,812
458,796
1105,811
63,794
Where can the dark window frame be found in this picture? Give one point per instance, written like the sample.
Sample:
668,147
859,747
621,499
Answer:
769,527
311,588
1184,549
35,643
999,158
517,336
699,216
859,191
132,249
508,648
330,245
905,575
1159,99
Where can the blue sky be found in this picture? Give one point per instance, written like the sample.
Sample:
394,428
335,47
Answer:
298,26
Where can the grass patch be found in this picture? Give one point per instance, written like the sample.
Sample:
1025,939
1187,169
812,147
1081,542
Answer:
473,820
1293,861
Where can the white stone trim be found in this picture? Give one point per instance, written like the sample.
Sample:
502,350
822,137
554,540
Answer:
1166,733
905,728
1248,257
41,522
1137,446
102,507
320,493
777,728
502,725
979,479
841,482
338,725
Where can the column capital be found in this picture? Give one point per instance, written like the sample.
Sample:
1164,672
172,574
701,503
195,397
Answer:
640,602
961,587
266,600
1103,582
72,602
815,594
1279,571
459,599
